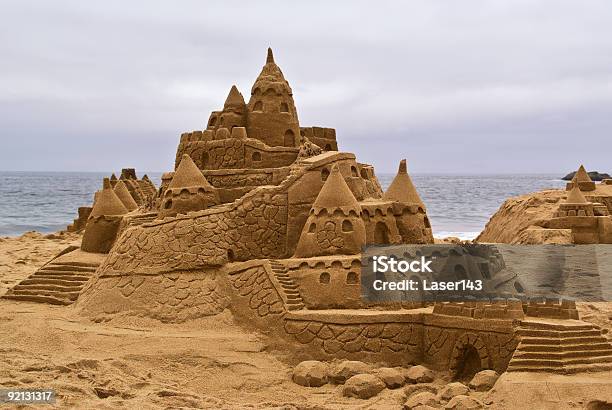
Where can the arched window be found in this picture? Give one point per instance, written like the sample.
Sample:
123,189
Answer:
258,106
364,173
284,107
312,228
256,156
347,226
289,138
212,121
354,171
230,255
352,278
381,233
324,278
328,147
168,204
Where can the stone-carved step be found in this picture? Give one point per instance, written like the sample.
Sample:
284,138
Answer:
290,288
56,283
568,347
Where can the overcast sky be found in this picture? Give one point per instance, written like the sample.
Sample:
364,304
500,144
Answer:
453,86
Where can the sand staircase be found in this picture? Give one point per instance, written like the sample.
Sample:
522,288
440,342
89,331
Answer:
56,283
561,347
290,288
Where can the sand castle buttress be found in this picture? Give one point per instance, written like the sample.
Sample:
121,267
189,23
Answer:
267,219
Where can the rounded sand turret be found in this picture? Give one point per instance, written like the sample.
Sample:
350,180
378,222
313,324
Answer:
188,191
334,225
272,116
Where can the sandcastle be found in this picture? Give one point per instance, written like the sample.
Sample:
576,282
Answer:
585,211
267,218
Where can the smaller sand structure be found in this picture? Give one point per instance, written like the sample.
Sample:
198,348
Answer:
585,211
578,215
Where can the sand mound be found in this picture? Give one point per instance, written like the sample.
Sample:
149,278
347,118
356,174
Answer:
516,220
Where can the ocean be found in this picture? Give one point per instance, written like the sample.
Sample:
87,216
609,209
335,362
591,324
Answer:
457,205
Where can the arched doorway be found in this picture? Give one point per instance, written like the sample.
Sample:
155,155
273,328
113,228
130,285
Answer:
469,356
289,139
381,233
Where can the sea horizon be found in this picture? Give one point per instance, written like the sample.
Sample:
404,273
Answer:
457,204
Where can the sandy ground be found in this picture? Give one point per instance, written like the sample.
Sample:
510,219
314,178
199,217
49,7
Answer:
211,363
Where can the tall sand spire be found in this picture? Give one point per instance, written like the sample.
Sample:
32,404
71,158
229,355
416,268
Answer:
270,56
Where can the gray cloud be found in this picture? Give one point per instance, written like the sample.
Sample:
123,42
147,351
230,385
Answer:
465,87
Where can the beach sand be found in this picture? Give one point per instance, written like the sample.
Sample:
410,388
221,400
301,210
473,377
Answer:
207,363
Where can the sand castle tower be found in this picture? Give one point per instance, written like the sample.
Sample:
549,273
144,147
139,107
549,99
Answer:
577,214
188,191
124,196
103,223
272,117
575,205
334,225
233,114
582,180
413,224
402,189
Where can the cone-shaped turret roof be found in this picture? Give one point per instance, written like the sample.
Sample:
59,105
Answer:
270,56
270,73
113,177
402,189
187,175
335,193
234,99
106,202
575,196
124,196
581,175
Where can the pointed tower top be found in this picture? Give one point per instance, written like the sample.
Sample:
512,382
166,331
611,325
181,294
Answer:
336,193
270,56
581,175
575,196
113,177
234,98
106,202
187,175
124,196
402,189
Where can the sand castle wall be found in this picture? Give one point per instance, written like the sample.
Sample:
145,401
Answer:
232,153
169,297
325,138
